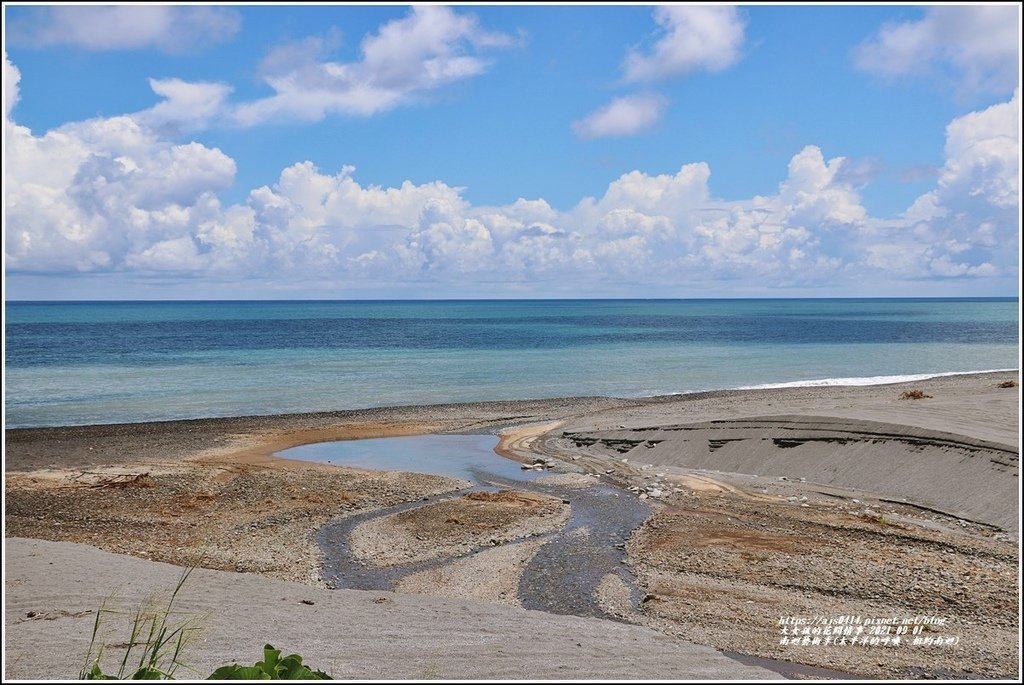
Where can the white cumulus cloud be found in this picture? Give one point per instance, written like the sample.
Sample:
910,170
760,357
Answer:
406,59
113,196
104,194
817,193
624,116
968,226
693,38
186,107
10,85
983,156
979,44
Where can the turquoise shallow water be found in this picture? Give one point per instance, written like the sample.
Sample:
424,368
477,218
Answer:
77,363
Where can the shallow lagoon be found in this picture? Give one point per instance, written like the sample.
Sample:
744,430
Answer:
470,457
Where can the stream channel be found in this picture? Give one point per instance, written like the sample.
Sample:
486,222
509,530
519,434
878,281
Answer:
564,574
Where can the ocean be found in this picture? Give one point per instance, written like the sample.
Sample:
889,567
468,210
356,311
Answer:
70,363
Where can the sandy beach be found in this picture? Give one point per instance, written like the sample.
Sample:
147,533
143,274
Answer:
751,506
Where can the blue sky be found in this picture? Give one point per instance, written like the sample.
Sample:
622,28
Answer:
511,151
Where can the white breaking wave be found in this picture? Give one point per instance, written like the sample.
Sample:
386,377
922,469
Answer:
867,380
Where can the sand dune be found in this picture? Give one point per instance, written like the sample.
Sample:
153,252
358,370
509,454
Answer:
967,477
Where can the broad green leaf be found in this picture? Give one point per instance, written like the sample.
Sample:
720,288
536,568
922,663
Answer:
271,656
288,666
150,673
236,672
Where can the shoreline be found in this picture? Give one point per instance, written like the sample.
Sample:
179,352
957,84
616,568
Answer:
838,382
731,477
255,439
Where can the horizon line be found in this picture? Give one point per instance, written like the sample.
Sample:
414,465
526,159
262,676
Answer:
505,299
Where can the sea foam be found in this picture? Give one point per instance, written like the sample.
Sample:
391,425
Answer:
868,380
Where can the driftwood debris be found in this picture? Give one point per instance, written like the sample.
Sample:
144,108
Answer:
115,480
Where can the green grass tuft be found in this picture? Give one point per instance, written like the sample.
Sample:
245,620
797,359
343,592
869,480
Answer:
158,638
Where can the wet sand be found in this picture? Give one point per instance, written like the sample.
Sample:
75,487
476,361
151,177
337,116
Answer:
755,495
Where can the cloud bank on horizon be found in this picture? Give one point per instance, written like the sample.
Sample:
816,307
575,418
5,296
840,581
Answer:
136,199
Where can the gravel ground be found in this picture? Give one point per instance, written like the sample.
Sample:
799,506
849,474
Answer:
253,521
724,570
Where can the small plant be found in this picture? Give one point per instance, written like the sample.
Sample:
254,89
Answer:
1007,384
160,641
914,395
273,667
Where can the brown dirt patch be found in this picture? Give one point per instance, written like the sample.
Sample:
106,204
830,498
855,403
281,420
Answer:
477,511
